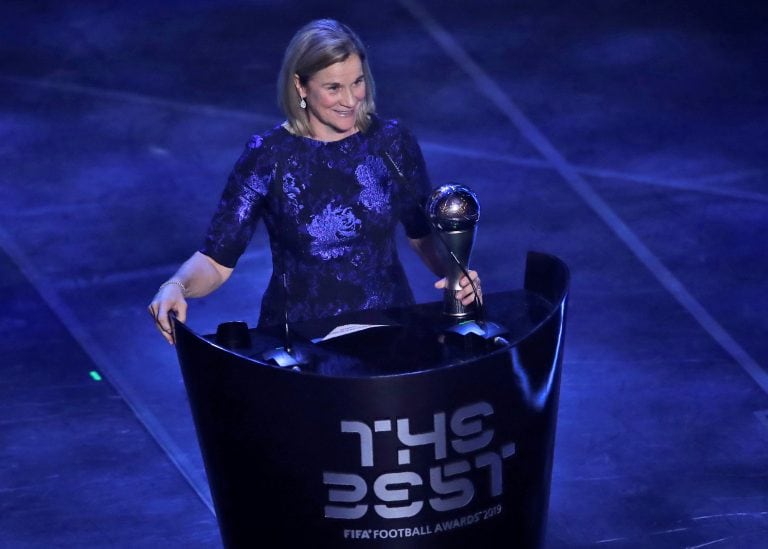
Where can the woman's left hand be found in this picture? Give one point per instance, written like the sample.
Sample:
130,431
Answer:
466,295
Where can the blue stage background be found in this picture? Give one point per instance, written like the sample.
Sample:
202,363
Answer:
627,138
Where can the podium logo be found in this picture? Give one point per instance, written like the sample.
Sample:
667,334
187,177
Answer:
461,445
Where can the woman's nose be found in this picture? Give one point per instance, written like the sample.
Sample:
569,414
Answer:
348,98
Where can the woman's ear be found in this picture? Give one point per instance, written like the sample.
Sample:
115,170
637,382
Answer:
301,90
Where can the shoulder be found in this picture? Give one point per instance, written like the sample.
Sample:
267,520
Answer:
265,148
391,126
269,140
390,130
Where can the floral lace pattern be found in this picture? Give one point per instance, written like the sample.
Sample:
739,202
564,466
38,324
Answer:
370,175
331,230
331,210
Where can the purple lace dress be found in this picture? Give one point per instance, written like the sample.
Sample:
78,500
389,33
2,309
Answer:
331,219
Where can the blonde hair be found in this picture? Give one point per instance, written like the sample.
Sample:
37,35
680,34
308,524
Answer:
317,45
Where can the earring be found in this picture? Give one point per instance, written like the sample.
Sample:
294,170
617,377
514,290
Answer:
302,103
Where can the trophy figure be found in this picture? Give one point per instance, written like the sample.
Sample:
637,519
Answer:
454,210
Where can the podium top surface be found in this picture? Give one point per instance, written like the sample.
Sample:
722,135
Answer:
397,341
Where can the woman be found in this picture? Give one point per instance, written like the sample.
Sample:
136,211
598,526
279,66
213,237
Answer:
320,182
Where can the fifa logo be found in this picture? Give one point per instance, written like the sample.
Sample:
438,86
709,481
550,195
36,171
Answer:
467,461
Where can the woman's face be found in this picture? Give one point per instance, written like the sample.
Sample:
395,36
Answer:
333,97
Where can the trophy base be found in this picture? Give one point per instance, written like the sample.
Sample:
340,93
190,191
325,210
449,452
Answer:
470,322
486,330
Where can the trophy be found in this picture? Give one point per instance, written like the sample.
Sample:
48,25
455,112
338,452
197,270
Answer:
453,211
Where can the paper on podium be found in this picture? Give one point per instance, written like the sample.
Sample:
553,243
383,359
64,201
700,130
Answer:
345,329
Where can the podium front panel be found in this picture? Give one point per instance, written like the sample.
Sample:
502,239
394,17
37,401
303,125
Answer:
454,451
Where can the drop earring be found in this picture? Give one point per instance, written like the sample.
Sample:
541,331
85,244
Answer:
303,103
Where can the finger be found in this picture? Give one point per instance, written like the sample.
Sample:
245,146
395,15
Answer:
465,281
162,318
155,312
442,283
465,294
181,311
470,288
160,329
468,298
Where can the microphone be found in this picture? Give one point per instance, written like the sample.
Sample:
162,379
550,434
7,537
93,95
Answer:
285,356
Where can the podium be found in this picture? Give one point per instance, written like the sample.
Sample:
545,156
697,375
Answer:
399,435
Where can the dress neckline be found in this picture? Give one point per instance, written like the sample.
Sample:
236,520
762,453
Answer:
321,143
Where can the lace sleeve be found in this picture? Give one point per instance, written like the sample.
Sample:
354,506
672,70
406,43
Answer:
412,214
240,206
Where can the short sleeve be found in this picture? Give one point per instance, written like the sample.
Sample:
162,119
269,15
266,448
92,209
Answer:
240,206
412,213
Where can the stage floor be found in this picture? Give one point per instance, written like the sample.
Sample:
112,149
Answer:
627,139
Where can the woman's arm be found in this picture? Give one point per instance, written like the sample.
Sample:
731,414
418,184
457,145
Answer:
198,276
426,249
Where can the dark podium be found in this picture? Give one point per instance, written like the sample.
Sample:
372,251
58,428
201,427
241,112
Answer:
398,435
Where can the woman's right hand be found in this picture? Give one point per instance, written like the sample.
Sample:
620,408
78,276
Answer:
200,275
169,298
